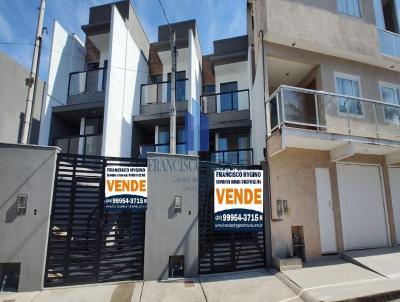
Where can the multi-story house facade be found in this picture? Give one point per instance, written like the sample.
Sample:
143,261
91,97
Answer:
111,98
331,77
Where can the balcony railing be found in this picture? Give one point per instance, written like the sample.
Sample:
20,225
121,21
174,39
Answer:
231,157
80,144
225,101
181,148
389,43
333,113
87,81
161,92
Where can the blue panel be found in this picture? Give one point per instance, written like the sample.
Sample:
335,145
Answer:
204,133
189,131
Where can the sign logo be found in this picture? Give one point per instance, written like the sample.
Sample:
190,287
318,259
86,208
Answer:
238,200
125,188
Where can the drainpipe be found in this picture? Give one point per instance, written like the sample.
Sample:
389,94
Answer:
268,246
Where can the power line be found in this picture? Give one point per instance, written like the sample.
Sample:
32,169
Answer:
165,14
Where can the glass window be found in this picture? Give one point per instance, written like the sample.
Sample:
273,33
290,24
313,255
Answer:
208,89
349,7
163,140
94,125
391,95
229,96
180,87
349,87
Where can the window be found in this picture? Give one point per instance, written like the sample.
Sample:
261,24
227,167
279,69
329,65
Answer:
236,146
208,89
391,95
229,96
349,7
156,79
180,86
163,140
390,15
349,85
94,125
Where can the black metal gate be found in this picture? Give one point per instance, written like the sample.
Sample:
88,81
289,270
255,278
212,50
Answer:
86,243
224,251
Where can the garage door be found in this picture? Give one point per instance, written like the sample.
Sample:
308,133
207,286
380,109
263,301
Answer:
394,176
362,207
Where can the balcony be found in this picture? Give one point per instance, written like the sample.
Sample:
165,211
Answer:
181,148
321,120
229,157
389,43
156,98
80,144
227,109
87,86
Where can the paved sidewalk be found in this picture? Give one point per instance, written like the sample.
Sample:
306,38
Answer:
245,286
337,280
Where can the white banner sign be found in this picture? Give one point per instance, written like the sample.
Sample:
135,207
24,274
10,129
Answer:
238,200
125,188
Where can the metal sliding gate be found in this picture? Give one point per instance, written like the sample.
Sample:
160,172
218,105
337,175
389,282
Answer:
86,243
224,251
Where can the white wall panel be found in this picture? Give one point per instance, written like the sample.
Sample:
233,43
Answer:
128,69
68,55
394,178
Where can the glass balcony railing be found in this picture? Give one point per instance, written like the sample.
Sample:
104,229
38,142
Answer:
161,92
389,43
87,81
333,113
229,157
225,101
80,144
181,148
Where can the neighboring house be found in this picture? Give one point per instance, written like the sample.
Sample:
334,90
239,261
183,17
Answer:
331,74
13,94
110,96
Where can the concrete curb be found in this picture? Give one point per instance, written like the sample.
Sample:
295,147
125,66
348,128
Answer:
295,288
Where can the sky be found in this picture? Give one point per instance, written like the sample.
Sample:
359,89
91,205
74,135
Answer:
216,19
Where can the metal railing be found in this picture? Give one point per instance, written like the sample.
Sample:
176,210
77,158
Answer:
225,101
389,42
181,148
89,144
333,113
87,81
232,157
161,92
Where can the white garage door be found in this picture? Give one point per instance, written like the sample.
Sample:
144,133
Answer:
394,176
362,206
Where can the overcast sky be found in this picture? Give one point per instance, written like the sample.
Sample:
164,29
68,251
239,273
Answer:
216,19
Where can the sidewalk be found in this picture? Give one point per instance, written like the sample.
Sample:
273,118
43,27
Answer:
247,286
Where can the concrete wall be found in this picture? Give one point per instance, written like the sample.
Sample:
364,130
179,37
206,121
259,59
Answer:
68,56
13,93
257,108
293,179
325,30
127,71
26,170
168,233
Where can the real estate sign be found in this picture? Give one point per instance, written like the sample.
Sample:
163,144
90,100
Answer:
125,188
238,200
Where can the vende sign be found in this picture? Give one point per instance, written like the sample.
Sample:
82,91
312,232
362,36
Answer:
238,200
125,188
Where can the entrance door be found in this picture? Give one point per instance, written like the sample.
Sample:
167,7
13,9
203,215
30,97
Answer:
394,177
362,206
325,211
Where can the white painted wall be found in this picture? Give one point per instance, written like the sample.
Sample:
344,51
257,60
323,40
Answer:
68,56
128,69
195,85
233,72
257,108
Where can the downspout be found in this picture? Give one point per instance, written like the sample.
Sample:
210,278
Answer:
268,245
